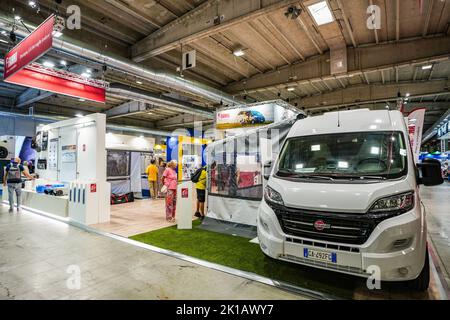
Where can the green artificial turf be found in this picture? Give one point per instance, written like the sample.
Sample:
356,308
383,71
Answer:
239,253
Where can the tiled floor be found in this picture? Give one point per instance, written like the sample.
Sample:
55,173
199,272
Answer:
437,203
39,255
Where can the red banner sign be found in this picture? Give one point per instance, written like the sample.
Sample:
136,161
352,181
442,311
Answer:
30,49
37,80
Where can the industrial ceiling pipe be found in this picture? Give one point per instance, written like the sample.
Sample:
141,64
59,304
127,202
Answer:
129,67
124,91
113,127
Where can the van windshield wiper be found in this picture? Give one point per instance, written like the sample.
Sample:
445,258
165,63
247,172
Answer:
293,174
359,177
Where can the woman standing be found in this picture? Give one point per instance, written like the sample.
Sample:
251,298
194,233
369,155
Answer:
170,181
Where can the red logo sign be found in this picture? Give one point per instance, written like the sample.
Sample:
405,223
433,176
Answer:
320,225
31,48
93,188
185,193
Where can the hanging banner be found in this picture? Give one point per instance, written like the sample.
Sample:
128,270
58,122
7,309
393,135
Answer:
245,117
30,49
416,121
47,82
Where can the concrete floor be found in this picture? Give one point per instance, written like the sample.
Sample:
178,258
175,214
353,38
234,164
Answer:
437,203
36,254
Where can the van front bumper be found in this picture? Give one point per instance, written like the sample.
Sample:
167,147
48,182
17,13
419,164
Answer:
379,254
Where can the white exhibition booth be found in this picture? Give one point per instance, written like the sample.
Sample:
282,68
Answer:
71,157
127,158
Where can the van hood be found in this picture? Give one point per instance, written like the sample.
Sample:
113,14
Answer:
336,197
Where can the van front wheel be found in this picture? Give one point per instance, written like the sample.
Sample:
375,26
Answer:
422,283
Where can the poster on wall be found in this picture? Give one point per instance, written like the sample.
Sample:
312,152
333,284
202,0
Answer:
118,164
69,154
245,117
53,155
190,164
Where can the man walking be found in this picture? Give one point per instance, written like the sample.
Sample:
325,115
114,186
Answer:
152,173
13,179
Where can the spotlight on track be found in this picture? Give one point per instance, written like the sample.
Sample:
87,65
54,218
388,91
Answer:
12,36
293,12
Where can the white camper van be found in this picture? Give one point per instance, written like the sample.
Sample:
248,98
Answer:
343,195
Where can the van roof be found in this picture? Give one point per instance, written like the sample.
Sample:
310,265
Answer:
361,120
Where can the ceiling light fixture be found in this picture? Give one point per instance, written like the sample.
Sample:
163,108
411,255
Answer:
427,67
321,12
139,82
290,89
57,34
3,41
239,52
293,12
48,64
17,18
32,4
63,63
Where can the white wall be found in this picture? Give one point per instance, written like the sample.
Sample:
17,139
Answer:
88,134
129,143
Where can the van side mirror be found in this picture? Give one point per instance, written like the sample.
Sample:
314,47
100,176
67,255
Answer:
431,173
267,170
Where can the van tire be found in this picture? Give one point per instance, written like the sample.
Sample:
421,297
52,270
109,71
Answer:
422,283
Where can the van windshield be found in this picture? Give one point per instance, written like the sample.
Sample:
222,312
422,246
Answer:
357,155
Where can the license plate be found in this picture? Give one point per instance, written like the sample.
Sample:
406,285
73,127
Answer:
330,257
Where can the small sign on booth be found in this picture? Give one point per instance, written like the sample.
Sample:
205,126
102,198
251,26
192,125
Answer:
184,205
93,188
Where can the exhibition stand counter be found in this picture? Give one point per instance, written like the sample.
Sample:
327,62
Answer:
31,199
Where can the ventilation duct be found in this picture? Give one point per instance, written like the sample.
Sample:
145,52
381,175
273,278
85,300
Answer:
124,91
129,67
112,127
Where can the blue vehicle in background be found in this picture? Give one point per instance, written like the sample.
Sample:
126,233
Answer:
251,117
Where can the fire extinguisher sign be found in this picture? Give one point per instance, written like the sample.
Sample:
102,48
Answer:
93,188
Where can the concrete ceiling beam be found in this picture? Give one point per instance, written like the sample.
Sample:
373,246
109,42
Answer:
363,94
362,59
30,96
202,22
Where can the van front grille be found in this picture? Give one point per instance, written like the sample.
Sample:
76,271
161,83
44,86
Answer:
337,227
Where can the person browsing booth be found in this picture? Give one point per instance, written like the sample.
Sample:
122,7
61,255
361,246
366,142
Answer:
152,173
200,179
13,179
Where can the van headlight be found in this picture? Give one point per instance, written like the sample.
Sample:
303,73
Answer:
401,203
272,196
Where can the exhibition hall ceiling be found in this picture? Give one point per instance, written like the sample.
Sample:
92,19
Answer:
259,50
